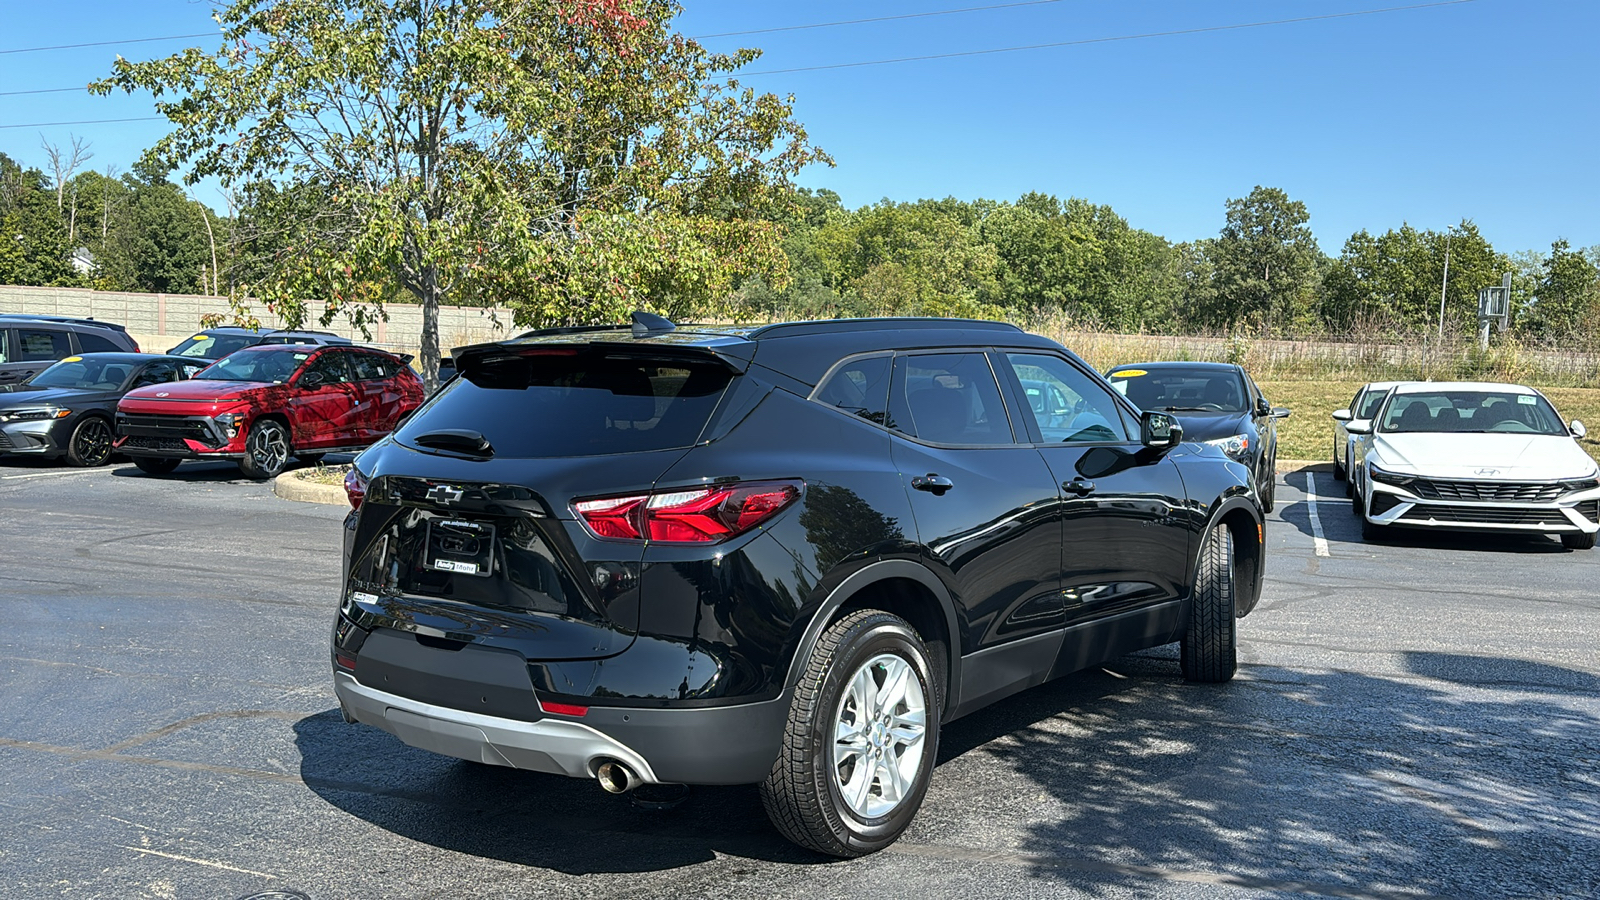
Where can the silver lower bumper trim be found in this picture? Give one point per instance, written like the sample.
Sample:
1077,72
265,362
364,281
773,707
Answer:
556,746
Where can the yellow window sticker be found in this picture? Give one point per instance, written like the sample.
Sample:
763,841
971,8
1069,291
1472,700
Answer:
199,337
1129,373
72,359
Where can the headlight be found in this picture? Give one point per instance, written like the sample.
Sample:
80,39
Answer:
35,415
1383,477
230,423
1580,484
1237,446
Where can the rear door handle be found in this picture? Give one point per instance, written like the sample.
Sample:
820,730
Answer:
933,484
1079,487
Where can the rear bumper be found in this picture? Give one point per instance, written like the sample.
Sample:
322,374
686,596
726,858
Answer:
705,745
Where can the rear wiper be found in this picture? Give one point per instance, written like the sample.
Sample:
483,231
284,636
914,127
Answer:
456,440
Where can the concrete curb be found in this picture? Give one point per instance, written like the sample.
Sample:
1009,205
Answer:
291,486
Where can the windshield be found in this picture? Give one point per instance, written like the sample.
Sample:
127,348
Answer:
1370,403
1181,390
266,364
85,373
214,346
579,405
1470,412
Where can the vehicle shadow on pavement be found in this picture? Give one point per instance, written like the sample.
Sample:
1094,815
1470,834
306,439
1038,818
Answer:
1341,526
1455,776
210,471
527,818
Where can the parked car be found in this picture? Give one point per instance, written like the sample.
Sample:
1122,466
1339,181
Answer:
215,343
1474,456
1217,403
67,410
1361,409
261,405
31,344
782,555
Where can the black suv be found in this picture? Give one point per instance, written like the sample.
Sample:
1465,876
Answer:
215,343
781,555
30,344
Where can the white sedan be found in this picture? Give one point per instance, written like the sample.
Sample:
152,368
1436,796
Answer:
1474,456
1362,406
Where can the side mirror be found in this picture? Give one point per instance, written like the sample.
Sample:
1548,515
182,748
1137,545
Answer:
311,379
1280,412
1341,415
1578,430
1159,430
1263,408
1359,426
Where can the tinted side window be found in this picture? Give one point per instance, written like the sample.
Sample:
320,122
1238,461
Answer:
1068,405
1370,404
331,365
42,344
948,398
859,387
367,366
5,345
94,343
156,373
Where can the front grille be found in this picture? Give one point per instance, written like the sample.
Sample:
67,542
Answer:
195,428
141,442
1484,515
1482,491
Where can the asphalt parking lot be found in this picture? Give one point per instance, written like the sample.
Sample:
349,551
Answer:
1414,719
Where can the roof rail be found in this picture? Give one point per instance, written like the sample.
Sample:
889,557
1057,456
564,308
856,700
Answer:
880,323
69,320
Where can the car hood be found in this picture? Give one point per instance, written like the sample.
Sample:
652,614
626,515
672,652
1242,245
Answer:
1539,457
19,396
198,390
1202,426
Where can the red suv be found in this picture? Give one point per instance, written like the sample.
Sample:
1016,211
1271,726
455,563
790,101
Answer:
263,404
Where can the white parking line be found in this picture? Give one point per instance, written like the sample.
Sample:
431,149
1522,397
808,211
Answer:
48,474
1317,539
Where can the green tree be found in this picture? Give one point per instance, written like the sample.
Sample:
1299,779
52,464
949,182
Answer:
1568,293
575,158
1265,261
34,249
923,258
1394,280
158,242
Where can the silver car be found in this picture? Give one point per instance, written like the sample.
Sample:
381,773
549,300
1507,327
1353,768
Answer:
1360,411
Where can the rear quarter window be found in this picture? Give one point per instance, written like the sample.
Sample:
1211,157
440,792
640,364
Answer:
583,405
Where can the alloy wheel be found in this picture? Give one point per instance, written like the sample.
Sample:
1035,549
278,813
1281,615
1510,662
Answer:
92,443
269,447
878,736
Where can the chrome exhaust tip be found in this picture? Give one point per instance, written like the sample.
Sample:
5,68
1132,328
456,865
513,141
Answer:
616,777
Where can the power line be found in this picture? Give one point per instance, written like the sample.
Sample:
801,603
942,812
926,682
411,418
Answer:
921,15
170,37
84,122
41,91
1102,40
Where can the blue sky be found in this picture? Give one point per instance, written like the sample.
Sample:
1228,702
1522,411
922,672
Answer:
1484,110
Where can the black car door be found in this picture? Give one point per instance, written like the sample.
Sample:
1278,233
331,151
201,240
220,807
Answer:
984,505
1125,533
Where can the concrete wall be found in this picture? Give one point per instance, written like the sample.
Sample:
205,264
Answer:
158,321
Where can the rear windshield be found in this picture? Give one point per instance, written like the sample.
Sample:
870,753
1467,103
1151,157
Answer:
213,346
579,405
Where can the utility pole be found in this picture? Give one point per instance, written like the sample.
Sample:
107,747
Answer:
1444,284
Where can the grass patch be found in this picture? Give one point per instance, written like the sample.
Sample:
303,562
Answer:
321,474
1308,433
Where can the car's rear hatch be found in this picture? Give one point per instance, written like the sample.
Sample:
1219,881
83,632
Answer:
467,531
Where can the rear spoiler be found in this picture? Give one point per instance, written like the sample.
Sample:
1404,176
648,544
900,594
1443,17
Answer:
733,354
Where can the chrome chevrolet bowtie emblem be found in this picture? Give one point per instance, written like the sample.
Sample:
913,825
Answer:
444,493
1487,472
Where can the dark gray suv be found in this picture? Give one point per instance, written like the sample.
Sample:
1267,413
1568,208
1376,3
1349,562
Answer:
31,344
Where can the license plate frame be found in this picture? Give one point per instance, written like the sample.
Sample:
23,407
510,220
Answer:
460,546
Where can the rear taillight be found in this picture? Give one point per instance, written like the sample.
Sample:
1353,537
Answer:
355,487
691,516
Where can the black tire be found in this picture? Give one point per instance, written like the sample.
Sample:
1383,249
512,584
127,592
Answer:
1372,531
1209,651
1269,496
156,465
1338,467
310,459
1356,506
266,450
802,795
90,444
1578,541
